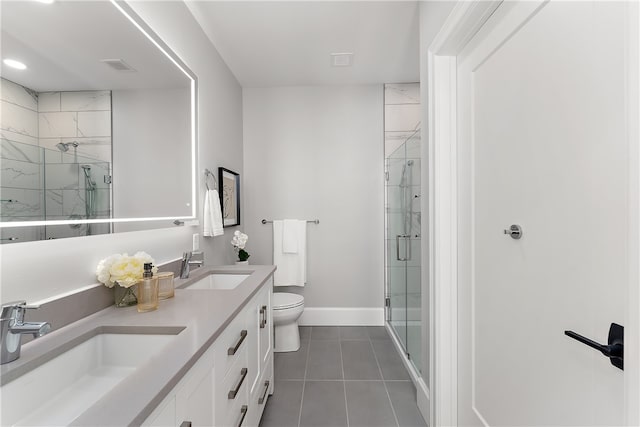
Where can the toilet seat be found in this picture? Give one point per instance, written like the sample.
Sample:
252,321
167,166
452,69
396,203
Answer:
285,300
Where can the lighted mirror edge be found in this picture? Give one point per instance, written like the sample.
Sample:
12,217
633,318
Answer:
121,6
92,221
194,147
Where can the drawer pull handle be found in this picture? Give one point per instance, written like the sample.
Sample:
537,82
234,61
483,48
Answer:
263,316
266,388
234,392
232,350
186,424
243,411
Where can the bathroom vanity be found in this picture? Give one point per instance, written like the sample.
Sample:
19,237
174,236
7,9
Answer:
231,382
204,358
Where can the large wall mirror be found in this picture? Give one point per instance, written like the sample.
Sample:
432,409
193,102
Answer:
97,123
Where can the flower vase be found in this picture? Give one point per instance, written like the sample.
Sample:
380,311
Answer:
242,262
125,297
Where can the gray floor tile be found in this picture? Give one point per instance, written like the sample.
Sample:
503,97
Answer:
378,333
291,365
323,404
283,407
403,399
325,333
359,361
353,333
389,360
368,404
325,352
324,360
305,332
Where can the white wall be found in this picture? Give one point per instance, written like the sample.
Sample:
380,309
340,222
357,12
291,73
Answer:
151,131
317,152
37,270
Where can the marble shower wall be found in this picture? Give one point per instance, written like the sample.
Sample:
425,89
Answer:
84,118
31,124
401,115
21,160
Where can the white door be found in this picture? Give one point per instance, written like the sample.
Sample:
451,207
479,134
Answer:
542,144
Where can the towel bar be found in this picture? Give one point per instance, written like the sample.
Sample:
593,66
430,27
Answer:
315,221
207,174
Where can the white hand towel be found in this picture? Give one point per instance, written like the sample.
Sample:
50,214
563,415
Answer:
292,268
212,215
290,236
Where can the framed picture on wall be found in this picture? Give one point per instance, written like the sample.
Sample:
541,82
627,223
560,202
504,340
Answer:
229,183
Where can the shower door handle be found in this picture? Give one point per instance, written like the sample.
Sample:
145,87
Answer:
398,237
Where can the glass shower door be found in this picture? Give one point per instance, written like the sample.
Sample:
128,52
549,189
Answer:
403,246
396,244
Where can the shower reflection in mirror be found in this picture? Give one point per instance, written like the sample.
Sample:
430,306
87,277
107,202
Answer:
55,169
81,137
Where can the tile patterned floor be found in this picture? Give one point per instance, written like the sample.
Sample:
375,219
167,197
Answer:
342,376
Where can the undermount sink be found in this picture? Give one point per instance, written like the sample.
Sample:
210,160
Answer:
59,390
219,282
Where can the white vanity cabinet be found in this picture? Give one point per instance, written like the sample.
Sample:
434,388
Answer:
261,353
190,402
230,384
193,400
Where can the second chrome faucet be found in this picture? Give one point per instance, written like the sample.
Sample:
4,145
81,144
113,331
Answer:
189,259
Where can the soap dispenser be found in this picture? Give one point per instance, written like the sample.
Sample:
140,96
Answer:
148,290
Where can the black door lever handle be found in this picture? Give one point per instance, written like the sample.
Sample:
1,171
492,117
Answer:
607,350
614,350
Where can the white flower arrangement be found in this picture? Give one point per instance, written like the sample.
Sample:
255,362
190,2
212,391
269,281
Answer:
239,241
123,269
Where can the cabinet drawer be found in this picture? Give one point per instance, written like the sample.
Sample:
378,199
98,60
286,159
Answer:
259,321
266,327
260,395
237,416
233,391
228,347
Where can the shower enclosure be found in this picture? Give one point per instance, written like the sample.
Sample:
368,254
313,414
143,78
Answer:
403,218
52,184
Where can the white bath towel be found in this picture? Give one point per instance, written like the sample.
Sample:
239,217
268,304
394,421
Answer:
212,215
290,236
292,268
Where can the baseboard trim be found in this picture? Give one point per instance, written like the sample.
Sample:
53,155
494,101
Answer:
342,316
424,403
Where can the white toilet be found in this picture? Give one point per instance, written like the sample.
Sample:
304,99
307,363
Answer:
287,308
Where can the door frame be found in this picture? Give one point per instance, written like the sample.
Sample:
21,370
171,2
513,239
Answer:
466,18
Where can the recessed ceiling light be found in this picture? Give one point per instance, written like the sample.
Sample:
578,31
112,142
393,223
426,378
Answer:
341,59
14,64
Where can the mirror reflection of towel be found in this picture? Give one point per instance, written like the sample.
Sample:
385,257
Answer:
292,267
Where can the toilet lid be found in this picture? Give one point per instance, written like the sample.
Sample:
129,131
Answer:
282,300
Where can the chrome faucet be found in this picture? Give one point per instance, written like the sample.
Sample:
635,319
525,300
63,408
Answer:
188,259
14,326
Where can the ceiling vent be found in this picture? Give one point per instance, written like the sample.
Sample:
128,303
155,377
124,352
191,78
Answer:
341,59
118,65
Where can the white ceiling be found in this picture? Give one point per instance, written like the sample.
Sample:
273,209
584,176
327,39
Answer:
288,43
62,44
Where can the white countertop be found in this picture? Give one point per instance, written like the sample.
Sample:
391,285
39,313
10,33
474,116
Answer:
203,313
